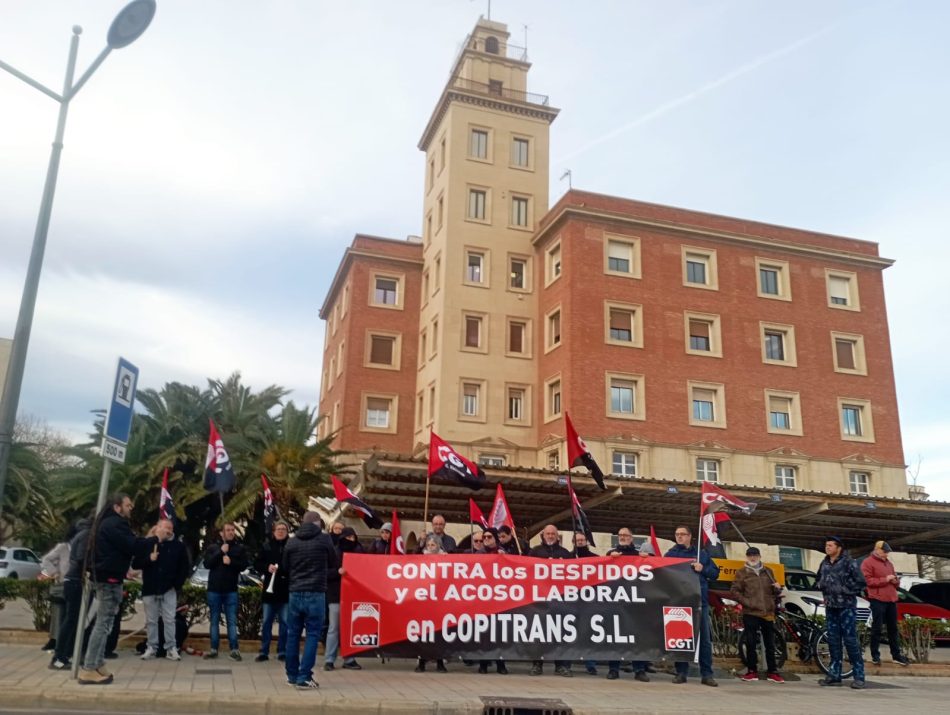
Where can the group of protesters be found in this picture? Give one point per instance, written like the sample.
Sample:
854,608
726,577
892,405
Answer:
301,590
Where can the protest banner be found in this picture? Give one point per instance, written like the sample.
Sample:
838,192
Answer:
487,606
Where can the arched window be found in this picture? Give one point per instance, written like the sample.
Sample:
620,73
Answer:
491,45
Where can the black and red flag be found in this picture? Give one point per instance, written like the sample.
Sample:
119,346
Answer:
475,515
271,512
579,455
713,510
166,507
343,494
397,547
219,474
445,462
581,523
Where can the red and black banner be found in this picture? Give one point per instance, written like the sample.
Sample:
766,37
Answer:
488,606
578,454
345,495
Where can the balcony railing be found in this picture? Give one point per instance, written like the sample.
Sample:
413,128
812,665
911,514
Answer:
493,90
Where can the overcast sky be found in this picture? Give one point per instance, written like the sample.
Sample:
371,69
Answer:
215,170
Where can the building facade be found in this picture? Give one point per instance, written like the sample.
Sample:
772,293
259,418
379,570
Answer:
683,344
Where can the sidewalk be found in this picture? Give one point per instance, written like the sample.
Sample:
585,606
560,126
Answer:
224,686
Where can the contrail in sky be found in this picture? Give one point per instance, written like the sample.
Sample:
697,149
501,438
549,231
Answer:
705,89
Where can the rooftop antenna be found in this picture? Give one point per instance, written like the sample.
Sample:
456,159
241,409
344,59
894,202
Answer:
567,175
525,42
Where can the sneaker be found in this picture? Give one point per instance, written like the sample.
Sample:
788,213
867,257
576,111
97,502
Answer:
439,666
211,654
641,676
710,681
172,654
281,657
564,672
328,667
536,669
679,679
261,658
103,672
149,654
829,681
750,677
774,678
613,674
50,646
502,669
308,685
421,667
857,685
93,677
483,669
235,655
875,661
591,670
57,664
902,661
353,665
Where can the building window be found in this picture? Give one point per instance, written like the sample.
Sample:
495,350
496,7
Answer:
624,463
778,344
624,324
519,211
383,350
699,268
842,290
625,396
476,204
856,420
471,394
431,402
553,263
474,267
516,404
773,279
784,412
442,154
552,398
554,459
341,351
621,325
622,256
707,470
386,291
518,337
423,348
420,407
478,148
431,173
780,413
428,229
703,334
621,396
519,152
859,482
379,413
784,476
768,281
437,275
492,460
707,404
435,337
495,87
517,273
553,336
440,213
848,353
774,345
473,331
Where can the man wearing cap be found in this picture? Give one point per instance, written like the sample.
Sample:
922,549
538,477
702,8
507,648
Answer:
380,545
882,583
755,588
841,581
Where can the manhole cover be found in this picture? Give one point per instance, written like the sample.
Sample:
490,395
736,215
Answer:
212,671
497,705
871,685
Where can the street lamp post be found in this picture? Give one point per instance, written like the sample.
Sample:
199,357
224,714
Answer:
128,25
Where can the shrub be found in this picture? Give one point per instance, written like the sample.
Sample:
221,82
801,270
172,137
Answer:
725,634
9,590
196,598
131,592
918,636
250,614
36,595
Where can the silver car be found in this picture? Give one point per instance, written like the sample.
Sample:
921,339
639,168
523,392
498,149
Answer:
18,562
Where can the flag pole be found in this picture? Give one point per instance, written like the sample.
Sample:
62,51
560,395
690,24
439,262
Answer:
741,535
471,533
425,509
699,535
221,500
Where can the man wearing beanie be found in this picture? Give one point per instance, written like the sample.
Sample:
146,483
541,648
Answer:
308,557
882,583
841,581
755,588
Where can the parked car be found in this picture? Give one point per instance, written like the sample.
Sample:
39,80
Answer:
248,577
800,583
908,581
936,593
909,606
18,562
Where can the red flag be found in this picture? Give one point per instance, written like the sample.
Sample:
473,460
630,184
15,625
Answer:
711,522
445,462
579,455
654,542
500,515
396,544
270,509
475,515
580,518
715,501
219,474
166,507
343,494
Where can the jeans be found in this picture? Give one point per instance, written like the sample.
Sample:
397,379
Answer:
884,613
271,611
162,606
109,596
842,625
66,637
639,666
305,610
705,647
333,635
752,625
229,601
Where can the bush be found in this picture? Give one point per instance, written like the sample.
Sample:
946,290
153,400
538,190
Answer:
36,595
250,614
9,590
918,636
131,592
725,634
196,598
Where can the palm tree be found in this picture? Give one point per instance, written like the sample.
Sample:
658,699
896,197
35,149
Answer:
28,512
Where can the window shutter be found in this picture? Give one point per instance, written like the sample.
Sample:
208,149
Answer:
516,337
619,320
839,288
844,350
381,350
699,329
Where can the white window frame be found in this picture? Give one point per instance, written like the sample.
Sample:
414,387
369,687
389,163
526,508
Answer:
718,420
637,385
783,283
865,419
706,467
715,333
706,256
785,476
794,414
632,244
787,333
853,297
553,263
392,413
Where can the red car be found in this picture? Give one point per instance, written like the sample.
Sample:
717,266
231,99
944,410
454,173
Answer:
908,605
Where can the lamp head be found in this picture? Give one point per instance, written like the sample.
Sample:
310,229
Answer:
130,23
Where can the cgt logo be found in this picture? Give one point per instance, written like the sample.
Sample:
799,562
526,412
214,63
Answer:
678,627
364,625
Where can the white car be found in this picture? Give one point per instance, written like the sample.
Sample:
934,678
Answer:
18,562
801,585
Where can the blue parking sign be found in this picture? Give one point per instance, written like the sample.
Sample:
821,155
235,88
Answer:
119,417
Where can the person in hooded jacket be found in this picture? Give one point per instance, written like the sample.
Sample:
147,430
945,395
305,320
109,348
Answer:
225,561
72,596
380,544
841,582
308,559
347,543
273,599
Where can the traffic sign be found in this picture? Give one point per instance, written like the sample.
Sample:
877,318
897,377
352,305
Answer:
119,417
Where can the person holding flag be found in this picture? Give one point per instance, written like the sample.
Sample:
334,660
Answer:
276,593
397,547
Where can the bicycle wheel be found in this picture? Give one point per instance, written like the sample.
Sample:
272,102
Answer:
781,649
822,652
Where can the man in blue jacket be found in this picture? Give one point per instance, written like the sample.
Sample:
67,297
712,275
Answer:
706,571
841,581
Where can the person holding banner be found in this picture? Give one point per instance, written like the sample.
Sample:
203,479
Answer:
626,547
489,543
706,570
446,542
347,543
275,596
431,547
550,548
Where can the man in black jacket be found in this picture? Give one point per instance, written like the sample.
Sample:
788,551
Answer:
550,548
165,566
225,561
72,595
275,596
308,557
111,547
